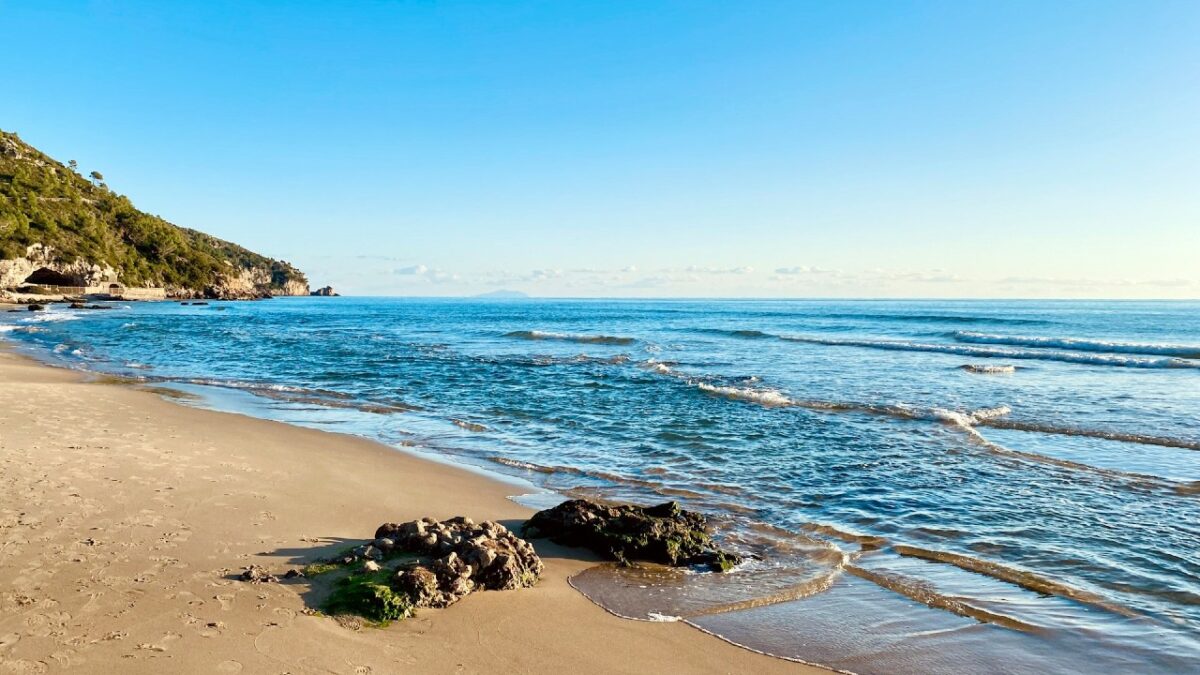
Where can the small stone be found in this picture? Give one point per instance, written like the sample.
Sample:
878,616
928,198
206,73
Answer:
257,575
371,566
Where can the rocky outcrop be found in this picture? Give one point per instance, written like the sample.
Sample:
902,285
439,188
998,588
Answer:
253,283
14,271
457,557
291,287
421,563
663,534
326,292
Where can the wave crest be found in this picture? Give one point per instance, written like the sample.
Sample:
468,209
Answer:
981,369
570,337
1003,352
1080,344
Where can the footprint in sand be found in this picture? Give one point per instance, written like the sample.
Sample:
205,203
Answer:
23,666
229,667
225,600
9,640
161,645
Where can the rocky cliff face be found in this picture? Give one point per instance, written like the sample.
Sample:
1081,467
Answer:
244,284
15,271
76,232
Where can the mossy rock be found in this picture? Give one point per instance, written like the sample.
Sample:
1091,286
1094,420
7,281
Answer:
370,596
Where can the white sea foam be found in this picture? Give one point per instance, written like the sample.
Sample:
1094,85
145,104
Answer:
657,367
49,316
980,369
766,397
1081,344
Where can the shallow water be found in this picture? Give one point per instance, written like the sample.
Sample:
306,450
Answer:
1006,485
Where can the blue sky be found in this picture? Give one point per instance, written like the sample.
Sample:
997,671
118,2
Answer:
952,149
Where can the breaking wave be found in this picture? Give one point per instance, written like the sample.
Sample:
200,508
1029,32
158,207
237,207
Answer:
766,397
571,337
968,421
1003,352
1081,345
980,369
1063,430
49,316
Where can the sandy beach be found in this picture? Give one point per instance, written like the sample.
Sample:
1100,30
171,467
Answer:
123,517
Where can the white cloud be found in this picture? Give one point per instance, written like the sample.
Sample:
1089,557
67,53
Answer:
804,269
428,274
412,270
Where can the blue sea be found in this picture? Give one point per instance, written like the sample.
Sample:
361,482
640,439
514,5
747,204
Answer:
931,486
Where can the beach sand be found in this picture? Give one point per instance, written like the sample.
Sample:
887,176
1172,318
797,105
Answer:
124,516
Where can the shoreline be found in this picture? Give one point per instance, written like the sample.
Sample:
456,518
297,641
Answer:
131,511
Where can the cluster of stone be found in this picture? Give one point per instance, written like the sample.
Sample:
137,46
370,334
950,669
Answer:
257,574
455,557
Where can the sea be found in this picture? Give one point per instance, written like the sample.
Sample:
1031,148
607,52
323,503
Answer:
919,486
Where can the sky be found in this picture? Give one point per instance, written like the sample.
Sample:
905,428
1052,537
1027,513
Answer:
642,148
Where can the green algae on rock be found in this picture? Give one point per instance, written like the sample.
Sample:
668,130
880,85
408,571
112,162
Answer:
422,563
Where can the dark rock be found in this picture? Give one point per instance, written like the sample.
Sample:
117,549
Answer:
78,305
421,585
293,574
663,534
258,575
327,292
456,557
36,308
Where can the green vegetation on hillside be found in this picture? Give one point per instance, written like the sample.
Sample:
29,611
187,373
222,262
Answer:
45,202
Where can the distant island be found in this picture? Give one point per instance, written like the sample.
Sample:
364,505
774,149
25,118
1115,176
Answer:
62,230
503,293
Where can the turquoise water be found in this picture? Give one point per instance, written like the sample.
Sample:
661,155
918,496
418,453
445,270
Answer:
932,486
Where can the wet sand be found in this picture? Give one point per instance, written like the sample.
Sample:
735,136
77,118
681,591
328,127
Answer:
124,516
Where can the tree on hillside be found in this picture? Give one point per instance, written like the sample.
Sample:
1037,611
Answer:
73,165
96,176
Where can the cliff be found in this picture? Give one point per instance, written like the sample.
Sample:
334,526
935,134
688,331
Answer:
83,234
